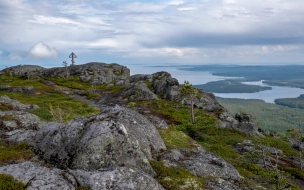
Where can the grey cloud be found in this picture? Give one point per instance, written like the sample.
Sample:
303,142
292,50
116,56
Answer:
214,40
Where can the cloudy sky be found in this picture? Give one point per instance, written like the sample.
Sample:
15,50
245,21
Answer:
160,32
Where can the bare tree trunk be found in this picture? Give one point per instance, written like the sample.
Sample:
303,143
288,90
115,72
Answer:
301,164
192,111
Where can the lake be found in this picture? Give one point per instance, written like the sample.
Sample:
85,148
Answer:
203,77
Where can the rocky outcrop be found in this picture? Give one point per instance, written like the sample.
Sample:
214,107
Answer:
93,73
17,125
100,141
247,125
201,163
168,88
26,71
138,91
116,178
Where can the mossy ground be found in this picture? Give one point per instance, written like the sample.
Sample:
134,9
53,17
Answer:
176,178
14,153
47,98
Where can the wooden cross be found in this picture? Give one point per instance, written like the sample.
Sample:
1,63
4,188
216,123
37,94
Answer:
72,55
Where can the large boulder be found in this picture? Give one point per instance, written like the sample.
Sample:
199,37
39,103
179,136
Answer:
116,179
201,163
162,81
247,125
117,137
138,91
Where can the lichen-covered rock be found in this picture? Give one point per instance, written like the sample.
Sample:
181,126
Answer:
93,73
26,71
220,184
117,137
247,125
158,122
141,77
18,136
138,91
12,120
201,163
162,81
38,177
117,178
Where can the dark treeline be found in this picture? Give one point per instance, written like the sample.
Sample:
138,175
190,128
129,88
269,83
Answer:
292,102
231,86
268,116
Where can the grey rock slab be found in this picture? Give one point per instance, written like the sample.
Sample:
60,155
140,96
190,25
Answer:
24,120
158,122
38,177
221,184
201,163
19,135
138,91
118,178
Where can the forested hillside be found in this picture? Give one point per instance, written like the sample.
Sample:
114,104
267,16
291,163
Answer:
292,102
268,116
231,86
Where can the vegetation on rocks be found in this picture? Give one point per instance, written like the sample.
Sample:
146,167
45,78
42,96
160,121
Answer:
14,153
64,99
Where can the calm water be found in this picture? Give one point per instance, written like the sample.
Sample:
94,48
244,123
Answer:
202,77
267,95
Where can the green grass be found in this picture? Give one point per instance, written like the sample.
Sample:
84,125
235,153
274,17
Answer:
175,139
7,182
13,153
71,108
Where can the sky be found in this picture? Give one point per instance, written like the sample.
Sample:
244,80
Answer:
155,32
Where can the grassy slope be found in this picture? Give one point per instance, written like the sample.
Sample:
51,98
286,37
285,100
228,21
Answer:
219,141
180,134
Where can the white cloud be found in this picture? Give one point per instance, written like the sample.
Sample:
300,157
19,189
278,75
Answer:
229,1
277,48
135,29
14,57
41,19
176,2
41,50
1,52
186,8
